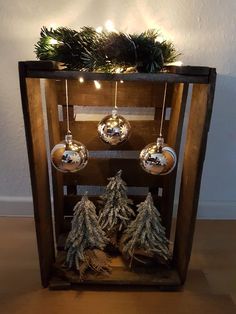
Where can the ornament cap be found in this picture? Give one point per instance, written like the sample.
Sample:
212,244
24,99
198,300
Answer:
114,112
160,143
68,138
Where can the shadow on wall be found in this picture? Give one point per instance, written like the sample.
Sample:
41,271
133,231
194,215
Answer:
218,182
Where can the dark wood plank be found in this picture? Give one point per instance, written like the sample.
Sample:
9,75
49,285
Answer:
151,77
71,200
54,138
130,94
142,133
98,170
121,275
43,65
184,69
179,98
194,154
34,129
188,70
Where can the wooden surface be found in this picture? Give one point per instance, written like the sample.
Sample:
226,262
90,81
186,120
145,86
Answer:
34,129
99,169
129,94
194,154
120,275
173,139
54,138
209,289
88,76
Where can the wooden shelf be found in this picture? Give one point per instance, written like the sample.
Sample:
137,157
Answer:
160,277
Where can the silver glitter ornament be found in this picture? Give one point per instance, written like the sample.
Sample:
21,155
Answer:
114,129
69,155
158,158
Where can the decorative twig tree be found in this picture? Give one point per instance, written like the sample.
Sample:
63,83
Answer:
86,240
116,213
145,236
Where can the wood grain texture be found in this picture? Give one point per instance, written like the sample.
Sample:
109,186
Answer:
121,275
173,139
129,94
34,128
54,138
142,133
98,170
90,76
198,125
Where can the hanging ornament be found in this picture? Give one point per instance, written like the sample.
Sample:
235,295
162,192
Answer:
69,155
158,158
114,129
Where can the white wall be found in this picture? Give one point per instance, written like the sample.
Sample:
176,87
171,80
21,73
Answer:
203,30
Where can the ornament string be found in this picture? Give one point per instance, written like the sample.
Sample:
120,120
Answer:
116,88
163,110
67,108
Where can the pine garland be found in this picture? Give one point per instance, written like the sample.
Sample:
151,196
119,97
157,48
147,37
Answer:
88,50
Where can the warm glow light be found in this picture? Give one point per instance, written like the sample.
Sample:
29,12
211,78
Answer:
99,29
53,25
97,84
160,39
110,26
53,41
118,70
176,63
121,81
81,79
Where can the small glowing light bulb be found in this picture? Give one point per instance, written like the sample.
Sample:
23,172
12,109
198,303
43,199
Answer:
160,39
97,84
109,26
178,63
53,25
121,81
99,29
53,41
81,79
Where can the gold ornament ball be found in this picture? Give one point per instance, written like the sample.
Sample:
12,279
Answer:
158,158
114,129
69,155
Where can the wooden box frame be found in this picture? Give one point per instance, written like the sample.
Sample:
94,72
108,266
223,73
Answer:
178,79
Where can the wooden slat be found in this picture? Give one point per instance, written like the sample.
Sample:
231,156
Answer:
199,120
130,94
179,99
54,138
121,275
142,133
98,170
184,69
150,77
34,129
71,200
188,70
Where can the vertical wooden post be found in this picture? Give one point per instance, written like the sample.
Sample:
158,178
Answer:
54,138
178,105
195,147
34,129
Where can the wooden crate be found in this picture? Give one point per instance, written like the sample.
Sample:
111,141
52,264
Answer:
138,90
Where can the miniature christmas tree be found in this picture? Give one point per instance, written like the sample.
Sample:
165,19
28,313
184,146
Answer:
145,236
116,212
86,240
